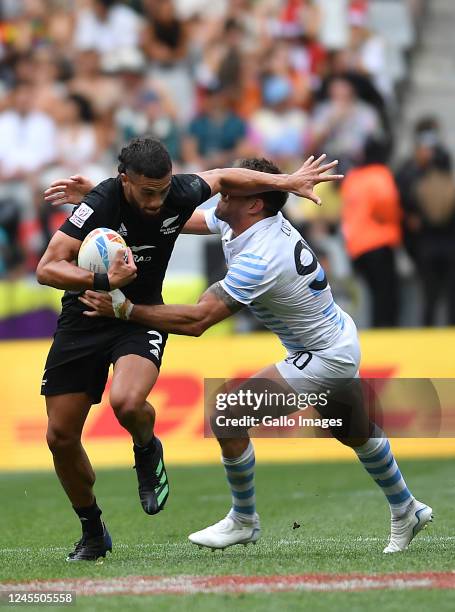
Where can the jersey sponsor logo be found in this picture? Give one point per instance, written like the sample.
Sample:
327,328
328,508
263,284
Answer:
143,247
81,214
167,227
122,230
139,258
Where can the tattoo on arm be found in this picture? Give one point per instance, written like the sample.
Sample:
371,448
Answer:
220,293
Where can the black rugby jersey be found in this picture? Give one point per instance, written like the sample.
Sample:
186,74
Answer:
151,239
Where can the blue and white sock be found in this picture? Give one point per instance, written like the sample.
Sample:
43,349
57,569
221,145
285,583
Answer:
379,462
240,475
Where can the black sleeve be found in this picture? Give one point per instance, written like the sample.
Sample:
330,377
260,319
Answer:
94,211
190,190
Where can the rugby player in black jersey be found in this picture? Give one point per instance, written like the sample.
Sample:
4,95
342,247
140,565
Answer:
149,207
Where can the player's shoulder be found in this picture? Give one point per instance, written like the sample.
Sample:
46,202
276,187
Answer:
188,190
272,240
106,196
107,189
100,206
274,246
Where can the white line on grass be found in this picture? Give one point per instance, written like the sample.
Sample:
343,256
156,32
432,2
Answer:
303,542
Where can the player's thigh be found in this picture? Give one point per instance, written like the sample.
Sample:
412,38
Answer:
76,364
336,392
66,415
136,354
133,379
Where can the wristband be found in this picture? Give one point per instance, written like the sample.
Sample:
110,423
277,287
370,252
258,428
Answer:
101,282
121,306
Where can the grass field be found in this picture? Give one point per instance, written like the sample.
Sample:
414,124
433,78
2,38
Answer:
343,522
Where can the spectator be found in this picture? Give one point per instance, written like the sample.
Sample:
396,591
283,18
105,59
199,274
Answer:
294,63
216,132
371,219
229,72
367,51
165,40
428,150
338,64
279,128
77,139
342,124
28,136
49,89
435,199
78,151
334,29
102,89
11,256
150,112
165,44
107,26
293,19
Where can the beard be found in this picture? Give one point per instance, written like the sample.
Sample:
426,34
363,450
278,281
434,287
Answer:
219,214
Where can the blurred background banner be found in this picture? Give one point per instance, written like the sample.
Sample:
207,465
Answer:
179,398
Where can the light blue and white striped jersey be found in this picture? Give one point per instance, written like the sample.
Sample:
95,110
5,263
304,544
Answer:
274,272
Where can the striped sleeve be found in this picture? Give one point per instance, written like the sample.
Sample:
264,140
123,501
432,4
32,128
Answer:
248,277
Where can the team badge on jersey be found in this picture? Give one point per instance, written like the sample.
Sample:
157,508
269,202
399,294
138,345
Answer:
81,214
168,226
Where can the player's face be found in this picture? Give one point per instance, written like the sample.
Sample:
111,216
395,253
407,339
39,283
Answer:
146,194
232,209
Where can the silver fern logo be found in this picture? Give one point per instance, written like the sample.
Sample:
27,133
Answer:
167,227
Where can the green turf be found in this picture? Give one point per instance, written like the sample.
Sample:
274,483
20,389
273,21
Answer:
343,527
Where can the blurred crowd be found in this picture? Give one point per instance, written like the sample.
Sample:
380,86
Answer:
220,79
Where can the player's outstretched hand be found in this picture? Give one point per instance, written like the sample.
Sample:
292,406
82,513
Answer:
100,302
310,174
68,191
122,272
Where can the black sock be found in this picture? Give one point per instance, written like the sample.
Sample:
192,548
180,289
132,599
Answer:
90,518
148,449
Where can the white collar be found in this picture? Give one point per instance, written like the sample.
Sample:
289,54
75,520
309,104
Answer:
237,244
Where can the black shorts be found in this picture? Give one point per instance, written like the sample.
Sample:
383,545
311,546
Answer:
78,361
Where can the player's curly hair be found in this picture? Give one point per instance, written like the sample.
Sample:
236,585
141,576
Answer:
145,156
273,200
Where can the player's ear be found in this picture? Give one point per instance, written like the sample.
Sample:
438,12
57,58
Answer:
257,206
124,178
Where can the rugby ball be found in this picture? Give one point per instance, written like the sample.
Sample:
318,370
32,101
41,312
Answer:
98,250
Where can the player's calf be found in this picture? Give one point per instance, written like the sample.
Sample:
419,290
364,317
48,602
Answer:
134,414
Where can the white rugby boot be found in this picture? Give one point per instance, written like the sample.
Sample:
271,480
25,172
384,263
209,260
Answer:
406,527
227,532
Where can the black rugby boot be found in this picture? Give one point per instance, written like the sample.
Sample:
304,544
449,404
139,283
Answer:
151,476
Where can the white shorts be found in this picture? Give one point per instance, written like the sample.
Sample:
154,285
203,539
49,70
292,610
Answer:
308,371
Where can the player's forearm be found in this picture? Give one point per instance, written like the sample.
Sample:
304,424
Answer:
175,319
240,181
64,275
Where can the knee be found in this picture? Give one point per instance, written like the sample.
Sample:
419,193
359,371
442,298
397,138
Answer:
127,406
60,440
